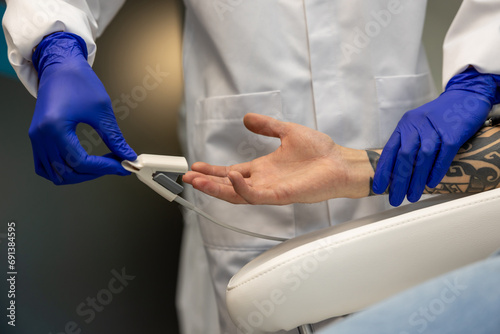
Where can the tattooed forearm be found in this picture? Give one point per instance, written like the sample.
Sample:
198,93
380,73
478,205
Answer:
476,166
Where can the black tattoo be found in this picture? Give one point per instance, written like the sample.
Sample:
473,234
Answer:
476,167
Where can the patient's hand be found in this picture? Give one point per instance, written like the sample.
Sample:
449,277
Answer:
308,167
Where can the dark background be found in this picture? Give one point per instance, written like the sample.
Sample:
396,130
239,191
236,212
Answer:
70,238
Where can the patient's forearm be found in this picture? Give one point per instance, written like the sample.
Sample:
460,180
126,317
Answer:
475,168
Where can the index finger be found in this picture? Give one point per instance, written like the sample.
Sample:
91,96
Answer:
220,191
221,171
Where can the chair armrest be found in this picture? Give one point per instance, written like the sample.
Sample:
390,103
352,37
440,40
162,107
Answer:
345,268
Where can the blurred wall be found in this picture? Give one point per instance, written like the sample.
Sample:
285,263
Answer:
71,238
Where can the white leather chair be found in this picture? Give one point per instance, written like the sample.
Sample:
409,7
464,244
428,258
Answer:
346,268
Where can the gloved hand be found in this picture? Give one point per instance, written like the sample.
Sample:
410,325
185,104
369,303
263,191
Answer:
426,139
70,93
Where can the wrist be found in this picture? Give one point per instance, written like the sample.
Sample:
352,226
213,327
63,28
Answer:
355,180
57,49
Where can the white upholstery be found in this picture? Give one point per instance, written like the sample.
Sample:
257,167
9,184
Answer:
345,268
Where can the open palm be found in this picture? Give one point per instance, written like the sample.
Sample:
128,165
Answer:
308,167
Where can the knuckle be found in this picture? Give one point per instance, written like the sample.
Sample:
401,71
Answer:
101,98
427,151
102,102
251,201
450,149
405,153
48,126
33,133
246,196
449,142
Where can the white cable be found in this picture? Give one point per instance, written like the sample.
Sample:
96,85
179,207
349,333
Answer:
191,206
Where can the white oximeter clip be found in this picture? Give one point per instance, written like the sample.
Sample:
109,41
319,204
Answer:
159,172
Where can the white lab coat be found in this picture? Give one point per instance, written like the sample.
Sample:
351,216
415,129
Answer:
349,68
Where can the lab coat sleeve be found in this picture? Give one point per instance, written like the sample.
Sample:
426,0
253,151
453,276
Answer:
27,22
473,39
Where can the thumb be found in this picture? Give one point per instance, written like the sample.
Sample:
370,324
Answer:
264,125
113,138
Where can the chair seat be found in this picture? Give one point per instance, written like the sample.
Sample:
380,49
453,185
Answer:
345,268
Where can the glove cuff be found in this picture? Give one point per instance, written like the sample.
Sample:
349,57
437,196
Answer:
57,47
484,84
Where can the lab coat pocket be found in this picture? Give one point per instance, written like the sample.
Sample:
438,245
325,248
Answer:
222,139
397,95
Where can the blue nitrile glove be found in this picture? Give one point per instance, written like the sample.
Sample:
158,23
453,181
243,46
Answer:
426,139
70,93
